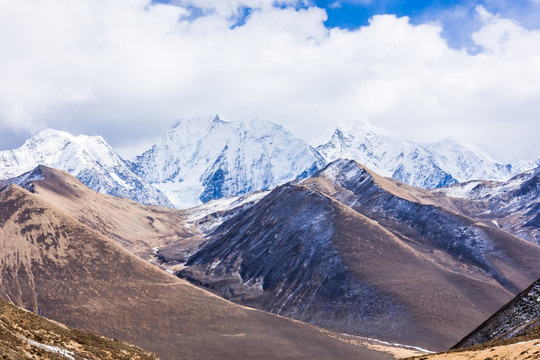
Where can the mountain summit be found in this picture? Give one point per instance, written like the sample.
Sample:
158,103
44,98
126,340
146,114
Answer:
207,158
89,158
426,165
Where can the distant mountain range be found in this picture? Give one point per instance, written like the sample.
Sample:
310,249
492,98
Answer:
427,165
208,158
89,158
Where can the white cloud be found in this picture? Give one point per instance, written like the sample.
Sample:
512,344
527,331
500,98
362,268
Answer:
128,69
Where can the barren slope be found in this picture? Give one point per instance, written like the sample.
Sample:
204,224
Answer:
355,252
135,226
56,266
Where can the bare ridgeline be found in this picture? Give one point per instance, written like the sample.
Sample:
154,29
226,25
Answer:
349,253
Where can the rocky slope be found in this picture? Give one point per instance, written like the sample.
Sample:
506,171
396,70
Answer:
513,205
429,165
89,158
56,265
513,332
519,317
25,335
208,158
358,253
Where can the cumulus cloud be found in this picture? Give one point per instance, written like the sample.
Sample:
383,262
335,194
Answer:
127,69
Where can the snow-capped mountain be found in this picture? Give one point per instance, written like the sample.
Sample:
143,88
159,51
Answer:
427,165
512,205
207,158
89,158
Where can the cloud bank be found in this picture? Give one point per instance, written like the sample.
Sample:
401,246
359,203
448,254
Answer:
127,69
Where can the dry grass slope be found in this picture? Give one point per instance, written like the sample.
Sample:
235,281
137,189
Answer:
524,347
25,335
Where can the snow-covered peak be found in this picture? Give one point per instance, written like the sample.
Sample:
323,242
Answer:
89,158
57,149
425,165
360,127
206,158
373,147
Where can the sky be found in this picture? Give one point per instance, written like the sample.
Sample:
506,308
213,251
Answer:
128,69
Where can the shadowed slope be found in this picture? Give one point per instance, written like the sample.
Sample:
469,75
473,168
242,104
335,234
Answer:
54,265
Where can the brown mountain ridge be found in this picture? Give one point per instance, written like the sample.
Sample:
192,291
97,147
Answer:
358,253
58,266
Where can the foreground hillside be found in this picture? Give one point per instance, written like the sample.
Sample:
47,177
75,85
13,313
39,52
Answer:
511,333
519,317
56,265
25,335
523,350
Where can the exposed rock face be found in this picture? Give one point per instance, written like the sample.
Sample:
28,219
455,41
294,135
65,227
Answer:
513,205
208,158
516,318
352,251
72,271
